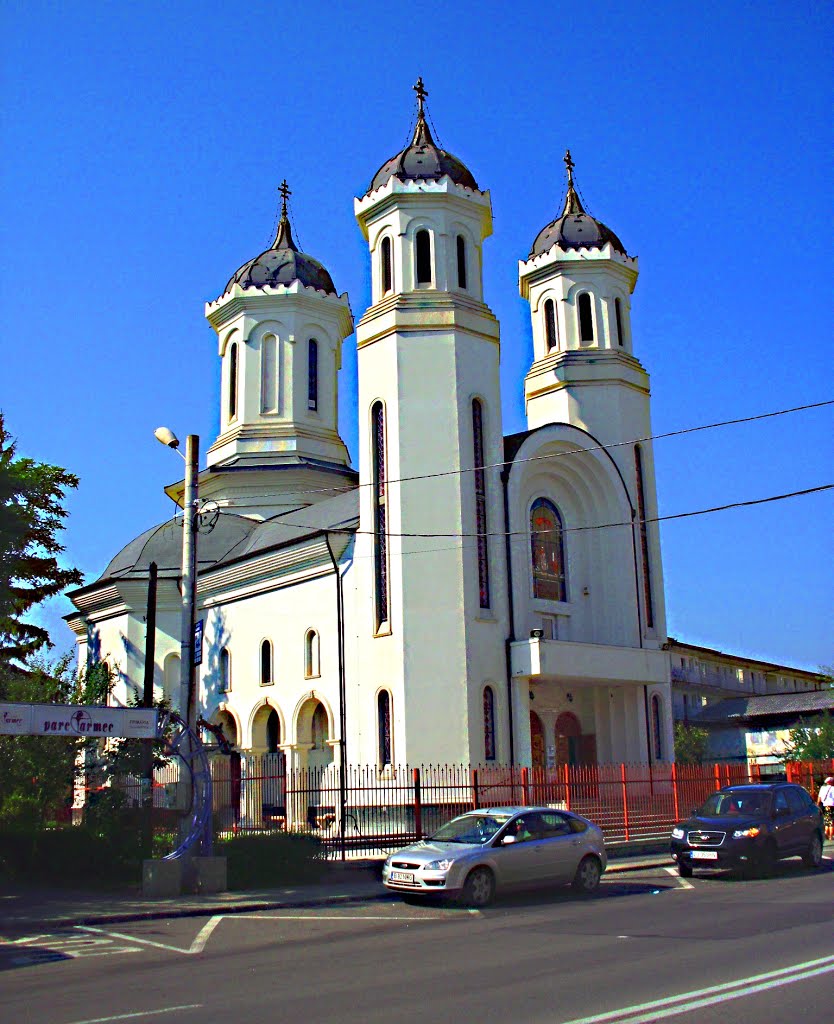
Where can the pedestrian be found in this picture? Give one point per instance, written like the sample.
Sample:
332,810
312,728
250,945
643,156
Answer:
825,798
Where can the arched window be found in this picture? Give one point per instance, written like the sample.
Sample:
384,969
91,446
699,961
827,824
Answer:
311,654
618,314
550,325
657,732
461,261
547,554
233,381
380,509
269,373
644,537
586,320
383,722
422,243
266,663
387,274
480,503
312,374
225,670
489,724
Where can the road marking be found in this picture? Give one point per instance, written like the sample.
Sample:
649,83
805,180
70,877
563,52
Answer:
644,1013
203,935
333,917
41,948
132,938
682,882
144,1013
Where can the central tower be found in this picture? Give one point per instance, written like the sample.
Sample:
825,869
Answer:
429,422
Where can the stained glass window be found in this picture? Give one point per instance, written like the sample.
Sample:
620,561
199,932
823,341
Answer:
547,554
380,537
383,707
480,504
489,724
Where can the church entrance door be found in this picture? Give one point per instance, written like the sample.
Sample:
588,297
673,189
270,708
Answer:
537,741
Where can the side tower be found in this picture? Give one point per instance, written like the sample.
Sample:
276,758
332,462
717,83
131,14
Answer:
578,280
280,325
431,619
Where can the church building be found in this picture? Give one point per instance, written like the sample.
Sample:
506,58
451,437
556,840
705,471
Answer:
457,595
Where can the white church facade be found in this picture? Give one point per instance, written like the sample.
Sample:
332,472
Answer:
460,596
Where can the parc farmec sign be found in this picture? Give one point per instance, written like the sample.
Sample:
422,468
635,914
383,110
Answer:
74,720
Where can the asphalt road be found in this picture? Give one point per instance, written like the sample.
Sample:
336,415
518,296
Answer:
649,947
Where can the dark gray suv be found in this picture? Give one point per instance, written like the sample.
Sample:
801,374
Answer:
749,828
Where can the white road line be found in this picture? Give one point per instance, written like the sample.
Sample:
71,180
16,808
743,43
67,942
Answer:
331,917
133,938
682,882
199,943
658,1009
144,1013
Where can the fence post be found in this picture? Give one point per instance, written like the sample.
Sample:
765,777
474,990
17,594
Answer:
716,771
525,786
675,790
567,787
476,803
625,801
418,804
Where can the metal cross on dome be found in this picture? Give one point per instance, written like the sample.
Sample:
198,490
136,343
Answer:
421,91
570,166
284,189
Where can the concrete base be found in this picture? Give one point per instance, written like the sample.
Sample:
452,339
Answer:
162,879
204,874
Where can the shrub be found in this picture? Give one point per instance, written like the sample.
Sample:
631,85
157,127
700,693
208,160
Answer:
270,859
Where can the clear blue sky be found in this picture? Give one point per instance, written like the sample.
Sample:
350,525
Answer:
143,144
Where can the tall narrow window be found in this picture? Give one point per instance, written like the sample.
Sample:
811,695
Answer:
618,313
269,373
480,503
489,724
550,324
387,270
266,663
657,734
233,381
422,242
312,374
311,654
461,261
644,537
383,718
225,670
380,508
548,554
586,320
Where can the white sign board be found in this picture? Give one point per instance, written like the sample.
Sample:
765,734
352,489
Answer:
77,720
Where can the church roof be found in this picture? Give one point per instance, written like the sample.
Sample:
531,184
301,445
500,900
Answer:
283,262
731,710
422,158
574,228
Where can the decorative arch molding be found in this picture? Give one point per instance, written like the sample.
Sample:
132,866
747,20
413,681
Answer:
272,705
567,724
304,710
224,708
276,327
226,339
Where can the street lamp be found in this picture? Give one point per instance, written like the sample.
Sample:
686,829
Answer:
189,565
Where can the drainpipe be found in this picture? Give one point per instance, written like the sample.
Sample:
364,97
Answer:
505,476
340,618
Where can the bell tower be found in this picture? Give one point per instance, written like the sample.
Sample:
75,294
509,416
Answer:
429,422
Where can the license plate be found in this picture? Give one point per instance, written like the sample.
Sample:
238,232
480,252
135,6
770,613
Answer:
402,876
704,855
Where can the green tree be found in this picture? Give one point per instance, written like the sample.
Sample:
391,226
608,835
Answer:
31,516
812,739
690,743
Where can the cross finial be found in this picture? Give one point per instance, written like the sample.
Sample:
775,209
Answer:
570,165
420,89
284,189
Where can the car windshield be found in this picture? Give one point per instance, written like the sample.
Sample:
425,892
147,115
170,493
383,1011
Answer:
476,829
735,802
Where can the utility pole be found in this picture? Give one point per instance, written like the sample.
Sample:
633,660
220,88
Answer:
147,701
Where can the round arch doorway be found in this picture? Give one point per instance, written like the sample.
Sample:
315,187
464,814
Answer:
537,746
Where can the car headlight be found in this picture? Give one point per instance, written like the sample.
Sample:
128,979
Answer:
677,833
747,833
439,865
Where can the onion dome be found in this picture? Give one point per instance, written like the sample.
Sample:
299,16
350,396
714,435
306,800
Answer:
574,228
283,262
423,158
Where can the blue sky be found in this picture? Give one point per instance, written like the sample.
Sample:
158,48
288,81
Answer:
144,144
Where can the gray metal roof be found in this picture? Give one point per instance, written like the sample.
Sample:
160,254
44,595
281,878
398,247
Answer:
734,709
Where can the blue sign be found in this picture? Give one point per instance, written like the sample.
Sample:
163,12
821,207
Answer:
197,656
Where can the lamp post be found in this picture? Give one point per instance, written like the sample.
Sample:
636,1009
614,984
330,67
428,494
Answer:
189,567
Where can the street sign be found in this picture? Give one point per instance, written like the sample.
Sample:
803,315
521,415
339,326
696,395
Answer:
198,643
77,720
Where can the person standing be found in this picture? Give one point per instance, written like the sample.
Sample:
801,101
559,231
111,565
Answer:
825,798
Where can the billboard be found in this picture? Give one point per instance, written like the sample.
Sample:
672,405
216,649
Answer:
88,721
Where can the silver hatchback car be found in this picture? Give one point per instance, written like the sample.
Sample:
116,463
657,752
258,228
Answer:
498,848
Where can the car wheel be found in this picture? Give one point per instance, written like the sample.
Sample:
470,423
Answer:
813,857
586,879
684,870
479,888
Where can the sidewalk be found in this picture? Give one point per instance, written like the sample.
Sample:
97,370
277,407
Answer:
26,911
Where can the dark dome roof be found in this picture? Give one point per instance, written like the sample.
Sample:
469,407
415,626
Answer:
283,263
574,228
422,159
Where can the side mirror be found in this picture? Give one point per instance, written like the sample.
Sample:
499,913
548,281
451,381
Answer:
507,840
